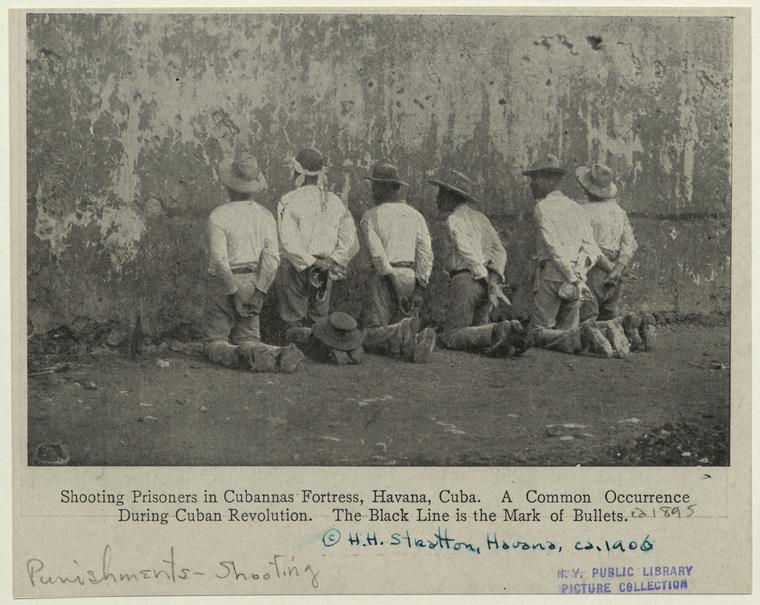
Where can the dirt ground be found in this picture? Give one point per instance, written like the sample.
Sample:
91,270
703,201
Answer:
667,406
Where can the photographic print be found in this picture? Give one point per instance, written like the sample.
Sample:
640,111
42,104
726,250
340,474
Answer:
380,301
378,239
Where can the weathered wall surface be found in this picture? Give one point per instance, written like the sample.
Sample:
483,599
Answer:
127,117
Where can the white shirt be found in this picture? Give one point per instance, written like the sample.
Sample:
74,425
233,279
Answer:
612,229
565,236
308,230
473,243
397,233
243,234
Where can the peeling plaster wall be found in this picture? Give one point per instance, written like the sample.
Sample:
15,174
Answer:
127,116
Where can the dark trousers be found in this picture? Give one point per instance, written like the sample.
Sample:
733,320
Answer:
606,301
467,325
296,298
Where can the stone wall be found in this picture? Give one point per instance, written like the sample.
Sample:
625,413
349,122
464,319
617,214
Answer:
127,116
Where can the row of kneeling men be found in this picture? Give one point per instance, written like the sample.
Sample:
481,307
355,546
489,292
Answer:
583,253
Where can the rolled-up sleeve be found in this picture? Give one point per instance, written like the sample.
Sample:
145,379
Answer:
596,255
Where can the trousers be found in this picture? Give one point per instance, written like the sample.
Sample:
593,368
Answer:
467,325
380,306
554,321
222,321
606,302
296,298
224,329
397,339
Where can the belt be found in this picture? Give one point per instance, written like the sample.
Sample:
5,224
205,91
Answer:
613,255
404,264
458,271
243,270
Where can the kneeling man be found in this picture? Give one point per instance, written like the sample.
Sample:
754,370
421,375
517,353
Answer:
243,260
475,261
566,251
397,241
317,238
614,236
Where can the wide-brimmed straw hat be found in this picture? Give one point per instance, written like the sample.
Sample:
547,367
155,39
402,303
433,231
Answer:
385,172
597,180
339,331
241,173
546,164
458,182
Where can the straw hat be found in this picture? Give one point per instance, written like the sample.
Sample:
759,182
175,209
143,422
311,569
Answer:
597,180
456,181
242,173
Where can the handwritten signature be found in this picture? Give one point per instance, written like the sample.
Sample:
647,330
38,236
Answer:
277,568
441,540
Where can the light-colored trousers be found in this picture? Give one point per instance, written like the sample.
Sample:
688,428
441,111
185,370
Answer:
222,321
380,306
224,328
381,315
554,322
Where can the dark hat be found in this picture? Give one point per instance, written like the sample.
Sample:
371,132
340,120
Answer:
546,164
241,173
310,159
597,180
385,172
455,181
339,331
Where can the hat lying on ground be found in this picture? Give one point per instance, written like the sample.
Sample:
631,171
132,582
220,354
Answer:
385,172
546,164
457,182
242,173
339,331
597,180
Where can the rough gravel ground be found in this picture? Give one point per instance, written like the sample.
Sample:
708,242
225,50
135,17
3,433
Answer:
666,407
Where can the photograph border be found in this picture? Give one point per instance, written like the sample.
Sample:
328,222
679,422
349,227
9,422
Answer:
739,470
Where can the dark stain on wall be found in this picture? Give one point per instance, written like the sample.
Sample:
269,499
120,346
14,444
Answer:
128,115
